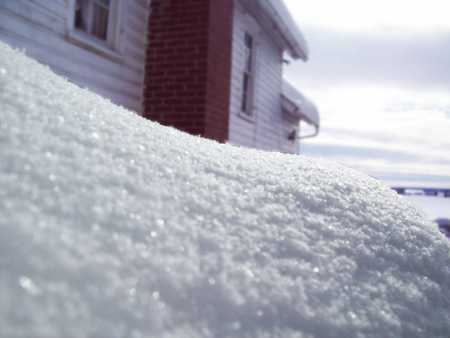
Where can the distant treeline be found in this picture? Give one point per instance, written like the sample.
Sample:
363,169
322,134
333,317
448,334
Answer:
422,191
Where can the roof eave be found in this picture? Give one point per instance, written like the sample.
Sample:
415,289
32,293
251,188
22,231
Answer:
295,42
293,109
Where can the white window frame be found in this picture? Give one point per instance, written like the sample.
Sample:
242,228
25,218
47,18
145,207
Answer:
113,44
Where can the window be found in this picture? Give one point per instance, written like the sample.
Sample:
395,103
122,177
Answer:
248,76
92,17
95,23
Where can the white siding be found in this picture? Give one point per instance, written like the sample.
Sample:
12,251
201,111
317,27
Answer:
40,27
269,129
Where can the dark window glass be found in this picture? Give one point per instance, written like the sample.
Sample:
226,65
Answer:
248,52
81,15
247,84
100,19
244,93
92,17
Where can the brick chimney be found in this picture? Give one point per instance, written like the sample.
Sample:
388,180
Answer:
188,66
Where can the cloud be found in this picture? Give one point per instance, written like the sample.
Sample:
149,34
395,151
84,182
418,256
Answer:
358,152
396,135
380,75
357,15
394,154
406,60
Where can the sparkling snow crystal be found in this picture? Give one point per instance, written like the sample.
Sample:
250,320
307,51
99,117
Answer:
114,226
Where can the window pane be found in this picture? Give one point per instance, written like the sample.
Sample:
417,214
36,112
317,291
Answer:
248,60
247,84
248,41
100,22
81,14
248,52
105,3
245,88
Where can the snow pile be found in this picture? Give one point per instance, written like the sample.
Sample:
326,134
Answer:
113,226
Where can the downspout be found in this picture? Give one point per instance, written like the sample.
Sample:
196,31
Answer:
314,134
316,127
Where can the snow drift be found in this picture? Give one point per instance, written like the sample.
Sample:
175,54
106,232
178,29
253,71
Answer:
114,226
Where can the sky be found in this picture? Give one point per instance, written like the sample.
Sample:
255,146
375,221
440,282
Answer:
379,71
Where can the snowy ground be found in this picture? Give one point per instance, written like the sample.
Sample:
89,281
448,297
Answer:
113,226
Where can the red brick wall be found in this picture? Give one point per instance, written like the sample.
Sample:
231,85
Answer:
188,69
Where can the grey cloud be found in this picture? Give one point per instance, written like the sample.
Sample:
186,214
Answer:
414,179
416,62
345,152
406,60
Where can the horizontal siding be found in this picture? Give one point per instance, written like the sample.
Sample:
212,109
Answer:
32,11
269,129
40,29
57,7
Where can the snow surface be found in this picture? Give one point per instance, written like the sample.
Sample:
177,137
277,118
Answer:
432,206
114,226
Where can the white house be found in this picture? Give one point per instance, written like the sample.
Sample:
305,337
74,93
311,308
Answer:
208,67
104,52
266,122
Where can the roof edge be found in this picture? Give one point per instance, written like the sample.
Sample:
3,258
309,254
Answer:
305,106
295,40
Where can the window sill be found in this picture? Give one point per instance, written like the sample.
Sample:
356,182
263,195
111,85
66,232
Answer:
246,117
93,45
